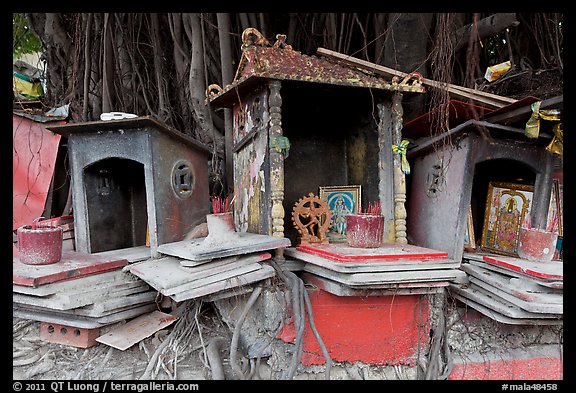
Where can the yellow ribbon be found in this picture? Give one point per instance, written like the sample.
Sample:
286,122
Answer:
532,129
402,149
556,145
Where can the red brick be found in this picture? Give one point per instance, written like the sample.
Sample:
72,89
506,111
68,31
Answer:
69,335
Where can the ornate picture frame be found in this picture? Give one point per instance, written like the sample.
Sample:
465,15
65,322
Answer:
469,238
507,207
342,200
555,211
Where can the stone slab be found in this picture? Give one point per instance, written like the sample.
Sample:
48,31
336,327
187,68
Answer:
73,285
72,265
393,252
374,278
81,321
522,289
545,283
370,266
168,276
496,304
104,309
131,254
340,289
227,293
503,318
79,298
128,334
263,273
241,243
552,270
533,307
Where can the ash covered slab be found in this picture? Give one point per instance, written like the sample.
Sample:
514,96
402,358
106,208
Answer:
123,337
387,252
222,285
169,277
51,316
371,265
73,285
494,306
555,284
72,265
236,244
132,254
523,289
384,278
552,270
339,289
80,297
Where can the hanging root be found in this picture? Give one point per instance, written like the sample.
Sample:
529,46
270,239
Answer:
213,353
300,305
236,336
440,364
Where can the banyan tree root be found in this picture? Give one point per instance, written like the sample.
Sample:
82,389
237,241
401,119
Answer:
300,305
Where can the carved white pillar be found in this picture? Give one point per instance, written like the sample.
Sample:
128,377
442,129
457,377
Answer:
386,170
276,163
399,177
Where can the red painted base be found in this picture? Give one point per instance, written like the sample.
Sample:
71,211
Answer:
380,330
544,367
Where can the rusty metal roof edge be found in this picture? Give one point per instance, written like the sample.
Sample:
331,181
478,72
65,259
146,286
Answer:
218,99
136,122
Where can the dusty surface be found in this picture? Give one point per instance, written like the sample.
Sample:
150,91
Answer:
176,352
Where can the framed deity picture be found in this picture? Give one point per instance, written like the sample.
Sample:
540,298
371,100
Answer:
554,223
469,238
507,207
342,200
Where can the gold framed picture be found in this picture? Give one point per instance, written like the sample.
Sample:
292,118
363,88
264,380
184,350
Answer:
342,200
507,207
555,222
469,238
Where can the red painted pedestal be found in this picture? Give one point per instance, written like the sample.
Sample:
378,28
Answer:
381,330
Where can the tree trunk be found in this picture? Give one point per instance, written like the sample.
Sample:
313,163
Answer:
108,67
87,67
206,130
227,75
52,33
487,27
181,54
404,52
292,28
379,37
163,110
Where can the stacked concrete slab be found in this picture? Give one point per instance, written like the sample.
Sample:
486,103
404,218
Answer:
389,269
194,269
512,290
82,290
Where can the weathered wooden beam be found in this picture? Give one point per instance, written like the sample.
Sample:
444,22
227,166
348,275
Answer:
487,99
428,142
525,111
